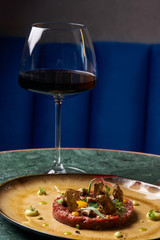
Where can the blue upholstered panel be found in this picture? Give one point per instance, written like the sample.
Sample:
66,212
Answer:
122,112
153,115
120,100
74,121
15,104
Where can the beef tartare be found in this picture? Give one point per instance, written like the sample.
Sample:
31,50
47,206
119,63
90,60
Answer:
94,210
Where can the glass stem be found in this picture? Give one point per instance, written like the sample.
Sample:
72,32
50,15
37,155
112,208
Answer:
58,166
58,126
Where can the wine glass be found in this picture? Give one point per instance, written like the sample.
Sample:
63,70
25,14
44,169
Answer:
58,59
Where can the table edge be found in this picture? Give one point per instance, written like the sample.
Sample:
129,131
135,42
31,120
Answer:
67,148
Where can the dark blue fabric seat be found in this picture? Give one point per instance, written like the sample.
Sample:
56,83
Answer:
120,101
122,112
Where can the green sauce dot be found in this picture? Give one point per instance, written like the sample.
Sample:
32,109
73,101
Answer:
42,202
142,229
118,235
67,233
44,224
135,203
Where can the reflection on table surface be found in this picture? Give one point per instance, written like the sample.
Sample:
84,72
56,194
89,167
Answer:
144,167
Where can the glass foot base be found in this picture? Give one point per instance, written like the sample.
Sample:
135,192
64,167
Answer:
67,170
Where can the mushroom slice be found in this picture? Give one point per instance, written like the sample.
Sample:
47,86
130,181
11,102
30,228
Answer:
118,193
71,197
98,189
106,203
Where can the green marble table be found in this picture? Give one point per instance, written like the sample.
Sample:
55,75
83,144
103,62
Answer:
143,167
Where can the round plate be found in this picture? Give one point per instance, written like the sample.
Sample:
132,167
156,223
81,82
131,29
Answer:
19,194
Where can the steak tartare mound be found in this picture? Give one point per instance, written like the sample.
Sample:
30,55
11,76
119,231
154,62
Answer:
93,210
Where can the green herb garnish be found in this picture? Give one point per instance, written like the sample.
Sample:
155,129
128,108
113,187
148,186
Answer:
41,191
93,204
94,210
107,190
84,200
119,206
59,201
90,184
153,215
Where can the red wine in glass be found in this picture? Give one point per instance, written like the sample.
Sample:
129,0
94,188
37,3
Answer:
51,82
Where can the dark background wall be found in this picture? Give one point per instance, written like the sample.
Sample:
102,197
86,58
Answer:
111,20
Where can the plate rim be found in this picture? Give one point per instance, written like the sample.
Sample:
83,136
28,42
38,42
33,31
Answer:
26,228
